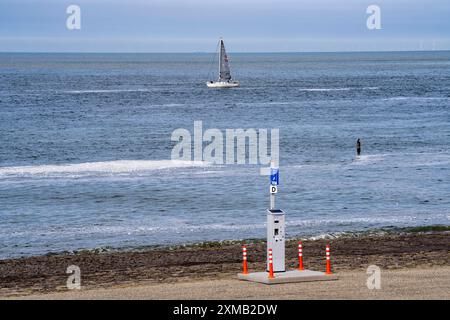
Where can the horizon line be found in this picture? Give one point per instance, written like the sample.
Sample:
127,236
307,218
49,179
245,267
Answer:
209,52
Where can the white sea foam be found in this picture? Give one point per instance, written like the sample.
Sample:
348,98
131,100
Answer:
181,227
369,158
405,159
414,98
107,90
371,88
337,89
324,89
268,103
108,167
171,105
133,229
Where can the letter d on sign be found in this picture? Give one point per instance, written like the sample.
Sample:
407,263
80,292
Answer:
273,189
74,280
73,21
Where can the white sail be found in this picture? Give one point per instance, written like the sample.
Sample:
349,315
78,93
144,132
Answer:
224,65
225,80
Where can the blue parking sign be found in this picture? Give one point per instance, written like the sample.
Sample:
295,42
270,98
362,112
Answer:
274,176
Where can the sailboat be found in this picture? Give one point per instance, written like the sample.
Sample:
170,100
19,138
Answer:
225,80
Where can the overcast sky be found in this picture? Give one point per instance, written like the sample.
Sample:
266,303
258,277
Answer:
246,25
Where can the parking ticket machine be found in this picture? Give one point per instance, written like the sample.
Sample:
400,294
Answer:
276,238
275,225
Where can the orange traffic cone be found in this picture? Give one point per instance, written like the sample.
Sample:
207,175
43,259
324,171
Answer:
328,269
270,265
300,256
244,257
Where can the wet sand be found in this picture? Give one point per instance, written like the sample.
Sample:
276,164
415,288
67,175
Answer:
414,257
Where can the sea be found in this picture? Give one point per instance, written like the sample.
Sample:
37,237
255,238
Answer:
85,147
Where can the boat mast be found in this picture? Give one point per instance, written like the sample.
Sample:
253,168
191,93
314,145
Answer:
220,56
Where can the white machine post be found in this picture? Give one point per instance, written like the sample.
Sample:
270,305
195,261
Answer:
275,225
276,242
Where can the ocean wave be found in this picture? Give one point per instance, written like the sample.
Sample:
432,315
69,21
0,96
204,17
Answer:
180,227
337,89
106,167
369,159
414,98
405,159
267,103
324,89
371,88
107,91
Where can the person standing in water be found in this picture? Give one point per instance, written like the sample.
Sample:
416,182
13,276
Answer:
358,147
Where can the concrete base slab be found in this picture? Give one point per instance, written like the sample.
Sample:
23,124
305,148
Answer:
287,277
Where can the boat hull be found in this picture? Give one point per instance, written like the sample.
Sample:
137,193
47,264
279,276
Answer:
222,84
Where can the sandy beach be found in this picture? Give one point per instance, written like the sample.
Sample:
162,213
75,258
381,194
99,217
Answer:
413,264
413,283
